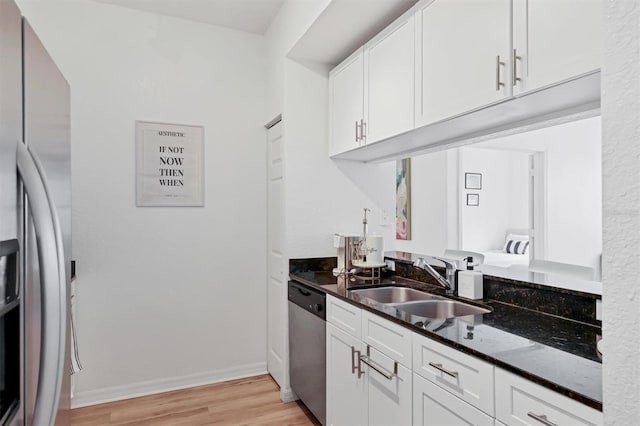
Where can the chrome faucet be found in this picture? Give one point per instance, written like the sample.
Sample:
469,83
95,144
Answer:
449,282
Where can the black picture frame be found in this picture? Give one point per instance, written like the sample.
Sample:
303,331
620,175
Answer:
473,200
473,181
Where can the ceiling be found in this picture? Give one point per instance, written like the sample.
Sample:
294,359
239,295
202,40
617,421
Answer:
253,16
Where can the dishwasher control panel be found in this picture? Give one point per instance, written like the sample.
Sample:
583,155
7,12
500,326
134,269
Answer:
308,298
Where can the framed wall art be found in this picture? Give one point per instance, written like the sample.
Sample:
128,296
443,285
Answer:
473,181
403,199
169,164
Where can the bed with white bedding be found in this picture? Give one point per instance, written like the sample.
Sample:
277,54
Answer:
508,255
504,260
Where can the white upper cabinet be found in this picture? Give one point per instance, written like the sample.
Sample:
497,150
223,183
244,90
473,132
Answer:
555,40
389,81
346,99
462,57
435,70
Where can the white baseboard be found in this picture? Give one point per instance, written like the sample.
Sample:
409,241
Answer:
133,390
287,395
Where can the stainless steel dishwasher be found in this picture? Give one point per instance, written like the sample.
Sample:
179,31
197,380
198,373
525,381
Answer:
307,347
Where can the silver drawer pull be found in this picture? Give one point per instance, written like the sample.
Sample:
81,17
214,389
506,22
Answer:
380,370
542,418
354,367
439,367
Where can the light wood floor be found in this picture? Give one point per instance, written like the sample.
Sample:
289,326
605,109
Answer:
251,401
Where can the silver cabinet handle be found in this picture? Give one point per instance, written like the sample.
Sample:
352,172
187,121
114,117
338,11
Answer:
514,64
355,353
387,375
53,285
542,418
439,367
363,131
499,63
357,135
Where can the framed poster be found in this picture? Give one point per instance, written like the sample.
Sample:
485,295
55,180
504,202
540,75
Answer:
473,199
169,164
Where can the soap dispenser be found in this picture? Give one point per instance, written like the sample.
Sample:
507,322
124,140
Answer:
470,281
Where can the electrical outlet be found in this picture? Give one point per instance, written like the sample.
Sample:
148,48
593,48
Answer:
384,218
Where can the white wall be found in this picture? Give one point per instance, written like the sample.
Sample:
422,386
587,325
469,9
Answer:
621,207
573,202
293,19
323,196
503,197
165,297
430,209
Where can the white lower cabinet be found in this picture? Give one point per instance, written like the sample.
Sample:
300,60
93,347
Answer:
522,402
365,386
345,387
462,375
433,406
388,390
380,373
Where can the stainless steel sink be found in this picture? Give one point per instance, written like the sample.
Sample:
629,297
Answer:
395,294
417,303
439,309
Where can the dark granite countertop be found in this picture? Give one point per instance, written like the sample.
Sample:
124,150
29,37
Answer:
554,352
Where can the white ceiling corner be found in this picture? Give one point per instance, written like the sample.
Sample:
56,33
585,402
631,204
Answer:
253,16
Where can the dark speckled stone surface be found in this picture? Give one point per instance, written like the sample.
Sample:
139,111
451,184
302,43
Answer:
570,304
312,264
557,353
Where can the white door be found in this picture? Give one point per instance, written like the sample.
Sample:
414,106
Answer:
277,326
433,406
389,82
555,40
346,98
462,57
345,386
389,399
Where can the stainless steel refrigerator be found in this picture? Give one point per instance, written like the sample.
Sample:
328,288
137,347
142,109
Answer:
35,229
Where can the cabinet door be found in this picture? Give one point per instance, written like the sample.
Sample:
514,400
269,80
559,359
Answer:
555,40
433,406
389,82
462,57
345,390
389,400
346,98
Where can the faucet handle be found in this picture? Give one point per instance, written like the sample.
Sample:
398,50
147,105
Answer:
447,263
419,262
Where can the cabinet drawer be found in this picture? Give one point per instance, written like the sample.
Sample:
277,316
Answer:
391,339
465,376
521,401
434,406
345,316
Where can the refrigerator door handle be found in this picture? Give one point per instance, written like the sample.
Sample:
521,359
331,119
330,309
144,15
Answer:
53,282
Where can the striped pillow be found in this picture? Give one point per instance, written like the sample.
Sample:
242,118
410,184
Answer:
516,247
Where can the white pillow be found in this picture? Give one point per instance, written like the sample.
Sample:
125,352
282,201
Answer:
518,237
516,246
